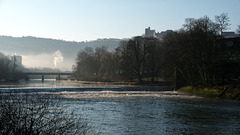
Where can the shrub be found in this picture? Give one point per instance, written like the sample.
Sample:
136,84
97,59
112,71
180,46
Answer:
37,114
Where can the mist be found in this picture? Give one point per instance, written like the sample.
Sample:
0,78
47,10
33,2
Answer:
49,53
48,60
57,58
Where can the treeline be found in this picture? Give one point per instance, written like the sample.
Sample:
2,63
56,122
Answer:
198,55
137,58
9,70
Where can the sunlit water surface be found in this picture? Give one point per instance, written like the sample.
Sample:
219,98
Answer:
144,110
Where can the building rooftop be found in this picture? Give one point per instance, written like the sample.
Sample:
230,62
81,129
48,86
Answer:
230,35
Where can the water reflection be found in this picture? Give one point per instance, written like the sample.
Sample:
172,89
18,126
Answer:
158,115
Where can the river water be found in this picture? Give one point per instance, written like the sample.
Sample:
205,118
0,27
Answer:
122,110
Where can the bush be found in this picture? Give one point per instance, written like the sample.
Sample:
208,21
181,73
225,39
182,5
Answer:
205,92
37,114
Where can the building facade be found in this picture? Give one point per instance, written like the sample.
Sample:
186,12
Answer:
16,59
150,33
159,35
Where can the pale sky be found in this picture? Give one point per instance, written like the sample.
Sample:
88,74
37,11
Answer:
81,20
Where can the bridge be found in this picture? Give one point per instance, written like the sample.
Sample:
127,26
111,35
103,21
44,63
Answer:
49,73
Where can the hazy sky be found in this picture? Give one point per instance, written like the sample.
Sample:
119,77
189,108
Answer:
82,20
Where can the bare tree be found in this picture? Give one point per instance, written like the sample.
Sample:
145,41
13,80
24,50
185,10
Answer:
154,59
190,52
37,114
88,63
223,22
134,54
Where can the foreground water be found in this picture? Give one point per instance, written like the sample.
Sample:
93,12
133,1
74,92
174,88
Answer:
149,110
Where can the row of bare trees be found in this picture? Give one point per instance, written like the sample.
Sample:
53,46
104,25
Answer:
199,54
136,58
140,58
196,55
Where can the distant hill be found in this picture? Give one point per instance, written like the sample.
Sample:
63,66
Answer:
35,47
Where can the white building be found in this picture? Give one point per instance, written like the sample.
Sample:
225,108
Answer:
158,35
150,33
17,59
162,34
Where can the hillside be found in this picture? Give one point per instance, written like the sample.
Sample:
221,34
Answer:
39,51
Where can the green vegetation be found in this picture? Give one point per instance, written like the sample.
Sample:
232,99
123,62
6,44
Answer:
227,92
204,92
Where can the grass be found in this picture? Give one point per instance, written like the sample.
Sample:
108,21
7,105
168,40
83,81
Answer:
224,92
203,92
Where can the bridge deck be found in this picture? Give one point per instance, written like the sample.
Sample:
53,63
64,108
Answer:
48,73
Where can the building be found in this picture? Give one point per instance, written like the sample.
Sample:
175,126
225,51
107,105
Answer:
17,59
158,35
229,39
162,34
150,33
229,46
230,35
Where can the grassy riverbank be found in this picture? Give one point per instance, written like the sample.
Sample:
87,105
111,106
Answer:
226,92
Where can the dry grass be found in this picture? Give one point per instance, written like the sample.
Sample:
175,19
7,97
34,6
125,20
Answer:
204,92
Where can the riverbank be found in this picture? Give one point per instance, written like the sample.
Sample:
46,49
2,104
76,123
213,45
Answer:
226,92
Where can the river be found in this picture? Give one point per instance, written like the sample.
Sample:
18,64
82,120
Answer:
121,110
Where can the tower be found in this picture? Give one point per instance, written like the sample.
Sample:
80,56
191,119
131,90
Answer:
149,32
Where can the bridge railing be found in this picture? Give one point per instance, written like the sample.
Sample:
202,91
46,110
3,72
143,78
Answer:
49,73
